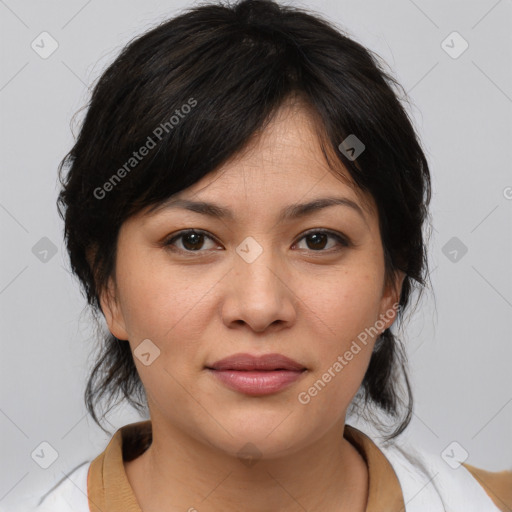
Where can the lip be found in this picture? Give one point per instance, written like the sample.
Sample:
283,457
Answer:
257,375
265,362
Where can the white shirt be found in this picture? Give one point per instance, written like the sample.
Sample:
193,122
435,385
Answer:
428,485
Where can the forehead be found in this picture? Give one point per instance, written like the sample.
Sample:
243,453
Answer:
283,163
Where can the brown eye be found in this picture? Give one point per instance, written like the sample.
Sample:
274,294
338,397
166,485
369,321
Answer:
191,240
317,240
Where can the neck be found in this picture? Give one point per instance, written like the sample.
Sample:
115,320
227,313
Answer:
177,472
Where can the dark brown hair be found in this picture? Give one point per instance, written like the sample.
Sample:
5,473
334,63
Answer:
200,85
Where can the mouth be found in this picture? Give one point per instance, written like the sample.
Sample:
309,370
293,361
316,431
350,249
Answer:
249,362
257,375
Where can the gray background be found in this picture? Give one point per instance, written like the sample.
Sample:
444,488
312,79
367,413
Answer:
459,341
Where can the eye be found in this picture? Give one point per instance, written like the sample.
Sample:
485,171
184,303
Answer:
316,240
192,240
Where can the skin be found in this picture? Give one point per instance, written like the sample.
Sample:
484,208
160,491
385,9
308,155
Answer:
307,299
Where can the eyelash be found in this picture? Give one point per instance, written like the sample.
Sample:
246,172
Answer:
343,241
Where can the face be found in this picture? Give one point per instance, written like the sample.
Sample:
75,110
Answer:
310,287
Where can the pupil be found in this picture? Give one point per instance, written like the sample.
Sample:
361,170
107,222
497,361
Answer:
196,244
317,237
193,241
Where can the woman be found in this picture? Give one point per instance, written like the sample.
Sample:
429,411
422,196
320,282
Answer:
244,205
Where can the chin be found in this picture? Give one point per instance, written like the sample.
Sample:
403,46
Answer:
255,437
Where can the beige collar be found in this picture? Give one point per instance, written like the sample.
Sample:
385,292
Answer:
108,487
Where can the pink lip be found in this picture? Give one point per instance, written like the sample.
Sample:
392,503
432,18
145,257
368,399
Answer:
257,375
264,362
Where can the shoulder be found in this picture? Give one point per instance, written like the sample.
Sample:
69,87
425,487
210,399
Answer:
497,484
70,493
429,483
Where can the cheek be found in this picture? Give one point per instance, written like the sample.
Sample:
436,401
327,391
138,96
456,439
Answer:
346,305
341,363
346,310
167,305
172,316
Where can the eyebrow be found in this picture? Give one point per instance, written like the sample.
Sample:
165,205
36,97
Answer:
293,211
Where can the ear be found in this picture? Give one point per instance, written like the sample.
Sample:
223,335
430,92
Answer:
390,299
112,311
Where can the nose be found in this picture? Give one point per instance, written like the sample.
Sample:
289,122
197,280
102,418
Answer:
259,295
